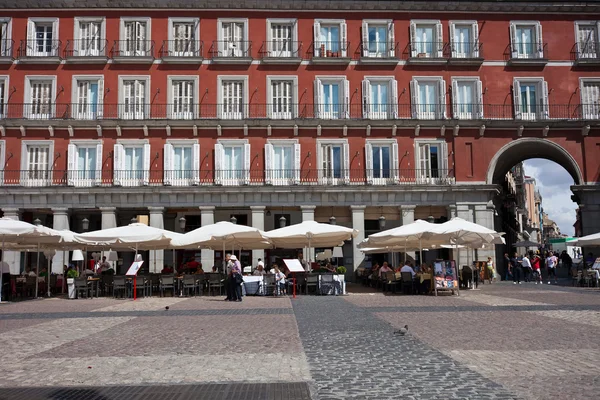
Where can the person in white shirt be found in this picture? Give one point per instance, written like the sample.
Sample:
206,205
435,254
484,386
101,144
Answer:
408,268
526,264
279,281
385,268
551,262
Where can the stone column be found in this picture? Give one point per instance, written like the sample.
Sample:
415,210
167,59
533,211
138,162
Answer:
358,223
308,214
258,222
60,222
157,257
408,216
464,211
207,217
12,258
109,217
484,216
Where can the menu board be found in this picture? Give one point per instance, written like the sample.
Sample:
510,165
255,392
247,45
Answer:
135,267
445,275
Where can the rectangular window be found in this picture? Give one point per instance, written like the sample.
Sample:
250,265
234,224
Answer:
39,97
232,162
3,88
526,40
464,36
332,98
232,99
587,39
334,160
281,39
530,98
282,97
135,38
88,98
36,162
182,104
232,38
426,39
378,39
42,37
89,40
330,38
131,163
432,161
381,158
134,103
5,38
380,98
282,162
428,98
181,163
184,41
467,98
84,162
590,98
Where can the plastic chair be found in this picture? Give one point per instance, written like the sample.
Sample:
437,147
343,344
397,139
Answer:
81,286
215,281
407,282
189,284
119,285
167,282
312,281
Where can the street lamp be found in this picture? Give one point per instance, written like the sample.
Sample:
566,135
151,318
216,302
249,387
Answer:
85,224
381,223
37,222
134,220
332,220
233,219
182,223
431,219
282,222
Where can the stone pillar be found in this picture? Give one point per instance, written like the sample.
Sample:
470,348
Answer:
207,217
258,222
484,216
109,217
60,222
308,214
12,258
157,257
408,216
463,211
358,223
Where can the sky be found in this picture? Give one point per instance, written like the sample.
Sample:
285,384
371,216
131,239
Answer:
553,182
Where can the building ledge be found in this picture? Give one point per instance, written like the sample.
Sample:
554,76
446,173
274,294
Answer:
181,60
282,60
39,60
133,60
584,62
87,60
426,61
6,60
474,62
232,60
528,62
379,61
331,60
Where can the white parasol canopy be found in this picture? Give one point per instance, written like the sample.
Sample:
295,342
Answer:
133,236
409,233
589,240
459,231
309,234
223,234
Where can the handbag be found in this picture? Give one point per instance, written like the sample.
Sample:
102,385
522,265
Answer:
238,278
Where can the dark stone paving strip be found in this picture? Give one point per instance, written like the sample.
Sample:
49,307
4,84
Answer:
355,355
161,313
483,308
208,391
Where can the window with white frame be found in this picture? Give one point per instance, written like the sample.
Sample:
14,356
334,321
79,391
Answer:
182,162
6,37
590,97
428,97
2,160
526,39
90,34
381,161
432,160
587,39
233,37
182,97
36,162
282,37
332,97
131,163
88,97
334,161
84,162
232,96
40,94
282,94
530,97
42,37
133,97
135,37
426,39
184,36
232,162
378,39
464,39
380,97
330,38
282,162
3,96
467,98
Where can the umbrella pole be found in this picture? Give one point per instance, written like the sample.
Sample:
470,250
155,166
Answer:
2,270
174,262
37,271
420,252
223,259
405,240
64,277
456,269
48,276
135,276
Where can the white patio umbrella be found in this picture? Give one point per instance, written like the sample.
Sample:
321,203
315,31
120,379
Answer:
133,236
589,240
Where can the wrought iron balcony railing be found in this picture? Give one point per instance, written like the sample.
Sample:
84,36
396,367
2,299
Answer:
526,51
83,48
329,49
586,52
464,50
280,49
40,48
180,48
421,50
6,48
135,48
378,51
231,49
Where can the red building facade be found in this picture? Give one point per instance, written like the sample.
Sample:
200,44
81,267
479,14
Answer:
352,110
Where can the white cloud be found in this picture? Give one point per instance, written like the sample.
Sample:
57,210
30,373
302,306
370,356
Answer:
554,182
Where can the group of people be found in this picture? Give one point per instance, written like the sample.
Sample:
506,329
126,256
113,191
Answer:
529,267
378,272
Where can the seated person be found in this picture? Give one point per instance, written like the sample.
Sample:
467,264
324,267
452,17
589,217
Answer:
87,272
407,268
215,270
199,271
44,272
260,270
167,270
193,265
384,268
425,269
330,268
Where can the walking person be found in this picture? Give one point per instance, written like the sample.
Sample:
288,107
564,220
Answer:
526,265
490,269
517,270
537,270
551,262
235,280
507,267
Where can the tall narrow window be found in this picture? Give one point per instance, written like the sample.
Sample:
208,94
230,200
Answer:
426,39
587,40
5,38
232,162
232,98
530,98
467,98
380,98
590,99
90,39
3,108
428,98
42,37
381,158
131,163
281,44
182,106
330,38
88,100
526,40
39,99
184,41
36,162
432,160
282,99
334,158
464,37
134,102
84,162
181,163
135,41
332,97
232,41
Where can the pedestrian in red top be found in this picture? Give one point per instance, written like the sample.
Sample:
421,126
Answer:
537,272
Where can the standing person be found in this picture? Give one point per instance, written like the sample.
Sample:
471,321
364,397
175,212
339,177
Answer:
228,286
236,279
103,266
566,259
537,270
507,267
279,281
526,264
551,262
303,262
490,268
517,271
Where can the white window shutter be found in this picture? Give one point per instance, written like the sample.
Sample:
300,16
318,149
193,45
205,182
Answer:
366,96
146,164
344,39
219,155
413,39
72,173
54,50
479,97
247,164
365,39
319,161
118,164
414,94
517,98
442,99
346,164
195,164
347,98
394,99
444,164
514,40
269,163
369,162
475,44
99,162
539,38
270,51
318,107
455,105
30,45
395,163
100,100
545,101
391,40
316,40
297,163
168,164
439,38
453,43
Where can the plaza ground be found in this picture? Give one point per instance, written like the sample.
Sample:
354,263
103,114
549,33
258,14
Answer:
500,342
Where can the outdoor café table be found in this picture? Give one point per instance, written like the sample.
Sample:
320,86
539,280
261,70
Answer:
336,278
424,277
95,285
595,273
253,285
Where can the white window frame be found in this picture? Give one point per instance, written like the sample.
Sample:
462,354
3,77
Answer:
538,42
75,97
24,178
473,44
121,105
2,160
28,105
6,44
294,106
294,50
477,109
122,38
542,108
440,106
317,36
589,111
170,174
240,53
426,175
31,25
596,52
74,177
221,112
390,45
345,161
437,47
392,101
77,21
343,102
120,175
228,177
171,112
4,108
276,177
394,161
195,39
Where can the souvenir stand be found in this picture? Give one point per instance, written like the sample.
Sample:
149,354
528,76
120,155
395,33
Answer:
445,277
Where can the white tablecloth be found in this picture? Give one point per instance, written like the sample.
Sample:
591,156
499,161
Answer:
250,285
337,278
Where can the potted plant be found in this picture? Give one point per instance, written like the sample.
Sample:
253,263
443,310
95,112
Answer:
341,270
